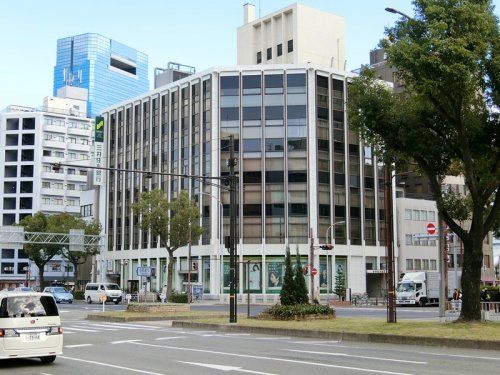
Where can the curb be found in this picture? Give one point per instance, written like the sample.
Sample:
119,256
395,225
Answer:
117,319
346,336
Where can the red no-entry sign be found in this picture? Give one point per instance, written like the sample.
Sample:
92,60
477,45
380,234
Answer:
431,228
314,271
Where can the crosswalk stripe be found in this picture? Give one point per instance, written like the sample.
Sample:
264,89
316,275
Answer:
78,329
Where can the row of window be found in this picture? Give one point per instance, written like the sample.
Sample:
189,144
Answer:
58,201
24,171
421,264
419,215
415,241
62,138
10,219
10,187
25,203
279,51
60,186
27,139
71,171
9,268
13,155
62,155
71,124
27,123
10,254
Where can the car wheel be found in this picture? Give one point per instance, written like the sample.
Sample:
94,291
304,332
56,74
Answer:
70,301
48,359
117,302
89,300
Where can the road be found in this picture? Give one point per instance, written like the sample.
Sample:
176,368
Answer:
156,348
417,313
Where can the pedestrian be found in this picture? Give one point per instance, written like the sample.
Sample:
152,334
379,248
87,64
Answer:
164,293
456,299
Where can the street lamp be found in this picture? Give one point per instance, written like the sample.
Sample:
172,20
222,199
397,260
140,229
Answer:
395,11
333,243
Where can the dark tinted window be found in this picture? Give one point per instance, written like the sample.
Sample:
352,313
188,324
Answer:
274,113
26,171
290,45
230,114
275,176
276,209
251,113
296,112
297,144
251,82
27,155
252,210
26,186
9,204
10,171
297,209
29,123
9,187
279,49
7,253
259,57
269,53
253,177
10,155
274,144
28,139
12,124
251,145
230,85
296,80
11,140
296,176
25,203
274,80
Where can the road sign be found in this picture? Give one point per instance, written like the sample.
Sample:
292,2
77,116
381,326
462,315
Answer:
314,271
102,298
431,228
144,271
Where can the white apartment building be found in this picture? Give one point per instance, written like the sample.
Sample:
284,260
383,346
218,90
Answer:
296,34
31,140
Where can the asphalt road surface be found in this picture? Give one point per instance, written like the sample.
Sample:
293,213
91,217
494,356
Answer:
417,313
155,348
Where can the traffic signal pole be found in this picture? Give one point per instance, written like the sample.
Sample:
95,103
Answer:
311,264
233,303
391,301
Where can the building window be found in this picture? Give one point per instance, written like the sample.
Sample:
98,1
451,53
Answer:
7,268
10,171
10,155
425,264
70,186
290,45
71,171
11,140
12,124
259,57
27,155
45,184
417,264
433,264
274,144
26,203
55,267
7,253
47,153
409,264
86,211
9,203
26,187
29,123
9,187
423,215
269,53
121,64
279,50
72,155
251,145
26,171
408,239
431,216
28,139
416,215
407,214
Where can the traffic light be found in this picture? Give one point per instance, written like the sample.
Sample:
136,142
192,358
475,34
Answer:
328,246
195,266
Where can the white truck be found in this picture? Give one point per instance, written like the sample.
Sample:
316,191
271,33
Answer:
422,288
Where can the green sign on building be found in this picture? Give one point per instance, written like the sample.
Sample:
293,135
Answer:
99,129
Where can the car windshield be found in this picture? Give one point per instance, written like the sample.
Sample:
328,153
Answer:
60,290
112,287
406,287
34,305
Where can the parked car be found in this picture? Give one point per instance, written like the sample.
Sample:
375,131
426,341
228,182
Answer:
31,326
23,289
112,292
60,294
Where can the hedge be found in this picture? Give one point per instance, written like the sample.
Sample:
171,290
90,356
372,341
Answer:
178,297
79,295
298,311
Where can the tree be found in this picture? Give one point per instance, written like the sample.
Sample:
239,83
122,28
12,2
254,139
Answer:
300,281
287,293
40,254
447,118
340,285
173,223
78,257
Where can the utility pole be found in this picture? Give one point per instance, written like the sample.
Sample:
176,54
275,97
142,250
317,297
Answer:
233,306
311,263
391,303
189,266
442,253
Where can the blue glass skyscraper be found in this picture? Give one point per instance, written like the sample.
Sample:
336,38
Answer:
110,71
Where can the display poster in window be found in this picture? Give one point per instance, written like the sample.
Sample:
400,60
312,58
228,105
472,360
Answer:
323,274
254,276
226,276
341,266
275,274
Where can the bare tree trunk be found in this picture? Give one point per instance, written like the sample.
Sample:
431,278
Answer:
170,274
75,274
41,277
471,279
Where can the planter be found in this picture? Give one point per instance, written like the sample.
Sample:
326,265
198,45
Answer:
158,307
298,317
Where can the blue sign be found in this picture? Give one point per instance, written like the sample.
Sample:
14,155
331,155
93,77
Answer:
144,271
197,291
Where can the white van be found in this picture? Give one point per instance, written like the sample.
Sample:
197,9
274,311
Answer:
30,326
93,292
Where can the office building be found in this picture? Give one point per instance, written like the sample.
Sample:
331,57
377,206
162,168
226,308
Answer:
173,72
296,34
109,70
301,169
31,140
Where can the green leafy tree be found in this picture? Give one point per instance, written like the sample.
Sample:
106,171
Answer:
173,223
340,285
300,281
40,254
287,293
448,57
78,257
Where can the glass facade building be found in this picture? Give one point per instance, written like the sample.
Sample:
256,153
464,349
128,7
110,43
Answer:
111,72
302,171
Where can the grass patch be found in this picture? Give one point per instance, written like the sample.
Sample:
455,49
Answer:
458,330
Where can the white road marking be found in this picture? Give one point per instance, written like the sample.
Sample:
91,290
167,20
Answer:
237,334
271,359
226,368
170,338
64,311
124,342
93,327
79,329
357,356
134,325
271,338
106,327
460,356
111,365
77,346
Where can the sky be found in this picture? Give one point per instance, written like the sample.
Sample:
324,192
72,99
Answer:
201,33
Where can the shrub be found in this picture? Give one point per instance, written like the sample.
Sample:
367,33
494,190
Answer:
300,282
79,295
178,297
298,311
287,294
490,294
